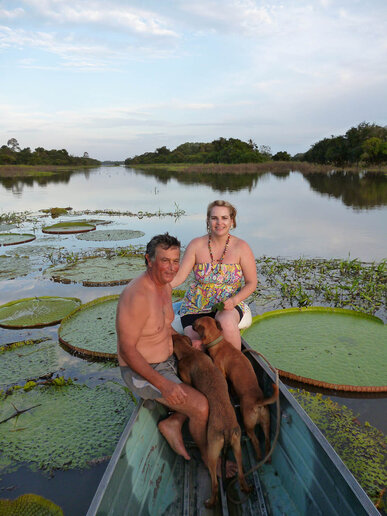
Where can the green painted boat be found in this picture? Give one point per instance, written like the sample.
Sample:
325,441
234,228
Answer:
306,477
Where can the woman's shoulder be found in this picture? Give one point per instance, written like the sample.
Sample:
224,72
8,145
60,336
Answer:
198,242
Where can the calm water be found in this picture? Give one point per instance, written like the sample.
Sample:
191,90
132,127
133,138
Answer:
279,215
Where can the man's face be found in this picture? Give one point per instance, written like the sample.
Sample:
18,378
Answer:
165,265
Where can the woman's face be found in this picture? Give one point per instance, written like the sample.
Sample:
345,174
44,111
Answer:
220,221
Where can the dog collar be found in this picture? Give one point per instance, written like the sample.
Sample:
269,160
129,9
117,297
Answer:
214,342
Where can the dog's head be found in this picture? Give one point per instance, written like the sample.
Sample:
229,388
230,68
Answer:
207,327
181,343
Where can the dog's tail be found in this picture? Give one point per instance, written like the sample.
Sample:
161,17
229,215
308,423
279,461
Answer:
272,399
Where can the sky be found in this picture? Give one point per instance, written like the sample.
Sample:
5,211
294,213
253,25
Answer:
118,78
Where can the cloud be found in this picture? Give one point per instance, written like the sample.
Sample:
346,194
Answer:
108,14
14,13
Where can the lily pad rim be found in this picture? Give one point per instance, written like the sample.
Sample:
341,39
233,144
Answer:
51,229
87,352
312,381
19,234
312,309
15,301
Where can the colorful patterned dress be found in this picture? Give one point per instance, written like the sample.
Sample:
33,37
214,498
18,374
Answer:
212,284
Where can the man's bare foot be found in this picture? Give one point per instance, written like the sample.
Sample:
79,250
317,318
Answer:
231,468
170,428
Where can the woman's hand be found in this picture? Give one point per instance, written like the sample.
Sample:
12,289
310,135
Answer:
229,304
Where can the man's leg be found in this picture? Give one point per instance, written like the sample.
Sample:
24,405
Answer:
196,409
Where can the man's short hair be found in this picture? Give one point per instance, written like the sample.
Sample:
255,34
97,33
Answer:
165,241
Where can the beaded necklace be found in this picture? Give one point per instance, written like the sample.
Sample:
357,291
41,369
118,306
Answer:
212,256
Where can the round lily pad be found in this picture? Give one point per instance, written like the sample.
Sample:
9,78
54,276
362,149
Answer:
15,238
28,505
31,359
90,329
327,347
36,312
68,227
98,271
112,235
13,266
67,428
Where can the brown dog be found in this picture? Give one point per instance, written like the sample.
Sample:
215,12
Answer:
238,370
198,370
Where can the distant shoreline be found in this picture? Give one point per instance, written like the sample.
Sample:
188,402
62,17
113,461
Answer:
276,167
15,171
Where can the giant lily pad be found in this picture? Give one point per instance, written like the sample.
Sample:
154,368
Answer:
13,266
36,312
29,505
332,348
98,271
67,428
31,359
15,238
112,235
90,329
68,227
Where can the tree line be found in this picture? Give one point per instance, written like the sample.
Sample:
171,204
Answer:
12,154
364,144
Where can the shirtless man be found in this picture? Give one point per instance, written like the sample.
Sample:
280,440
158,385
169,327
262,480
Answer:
145,348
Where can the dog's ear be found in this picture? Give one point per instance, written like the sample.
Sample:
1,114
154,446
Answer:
218,325
187,340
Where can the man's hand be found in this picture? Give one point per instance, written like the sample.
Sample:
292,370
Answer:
173,393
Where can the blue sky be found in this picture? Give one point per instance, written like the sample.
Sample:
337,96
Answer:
117,78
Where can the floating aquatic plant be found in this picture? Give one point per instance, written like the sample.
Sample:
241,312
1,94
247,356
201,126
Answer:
339,283
111,235
362,448
67,428
29,505
15,238
56,212
36,312
333,348
90,330
26,360
12,267
98,271
68,227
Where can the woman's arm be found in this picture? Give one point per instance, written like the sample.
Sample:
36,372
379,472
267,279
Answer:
186,265
249,270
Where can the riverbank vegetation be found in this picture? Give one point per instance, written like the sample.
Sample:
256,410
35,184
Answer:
16,162
361,146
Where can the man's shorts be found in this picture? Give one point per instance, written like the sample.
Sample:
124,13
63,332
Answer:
141,387
189,319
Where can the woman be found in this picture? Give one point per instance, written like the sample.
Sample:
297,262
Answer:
219,261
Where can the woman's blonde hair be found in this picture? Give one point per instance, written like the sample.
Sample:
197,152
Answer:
226,204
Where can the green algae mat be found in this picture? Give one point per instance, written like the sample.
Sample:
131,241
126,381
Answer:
15,238
97,271
68,227
104,235
90,330
327,347
36,312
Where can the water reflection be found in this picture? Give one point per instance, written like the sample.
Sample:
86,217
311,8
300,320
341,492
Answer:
219,182
367,190
364,190
16,184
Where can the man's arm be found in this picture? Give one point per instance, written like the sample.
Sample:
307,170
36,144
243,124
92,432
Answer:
130,322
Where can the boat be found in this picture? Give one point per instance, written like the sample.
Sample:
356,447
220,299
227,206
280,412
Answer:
145,477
